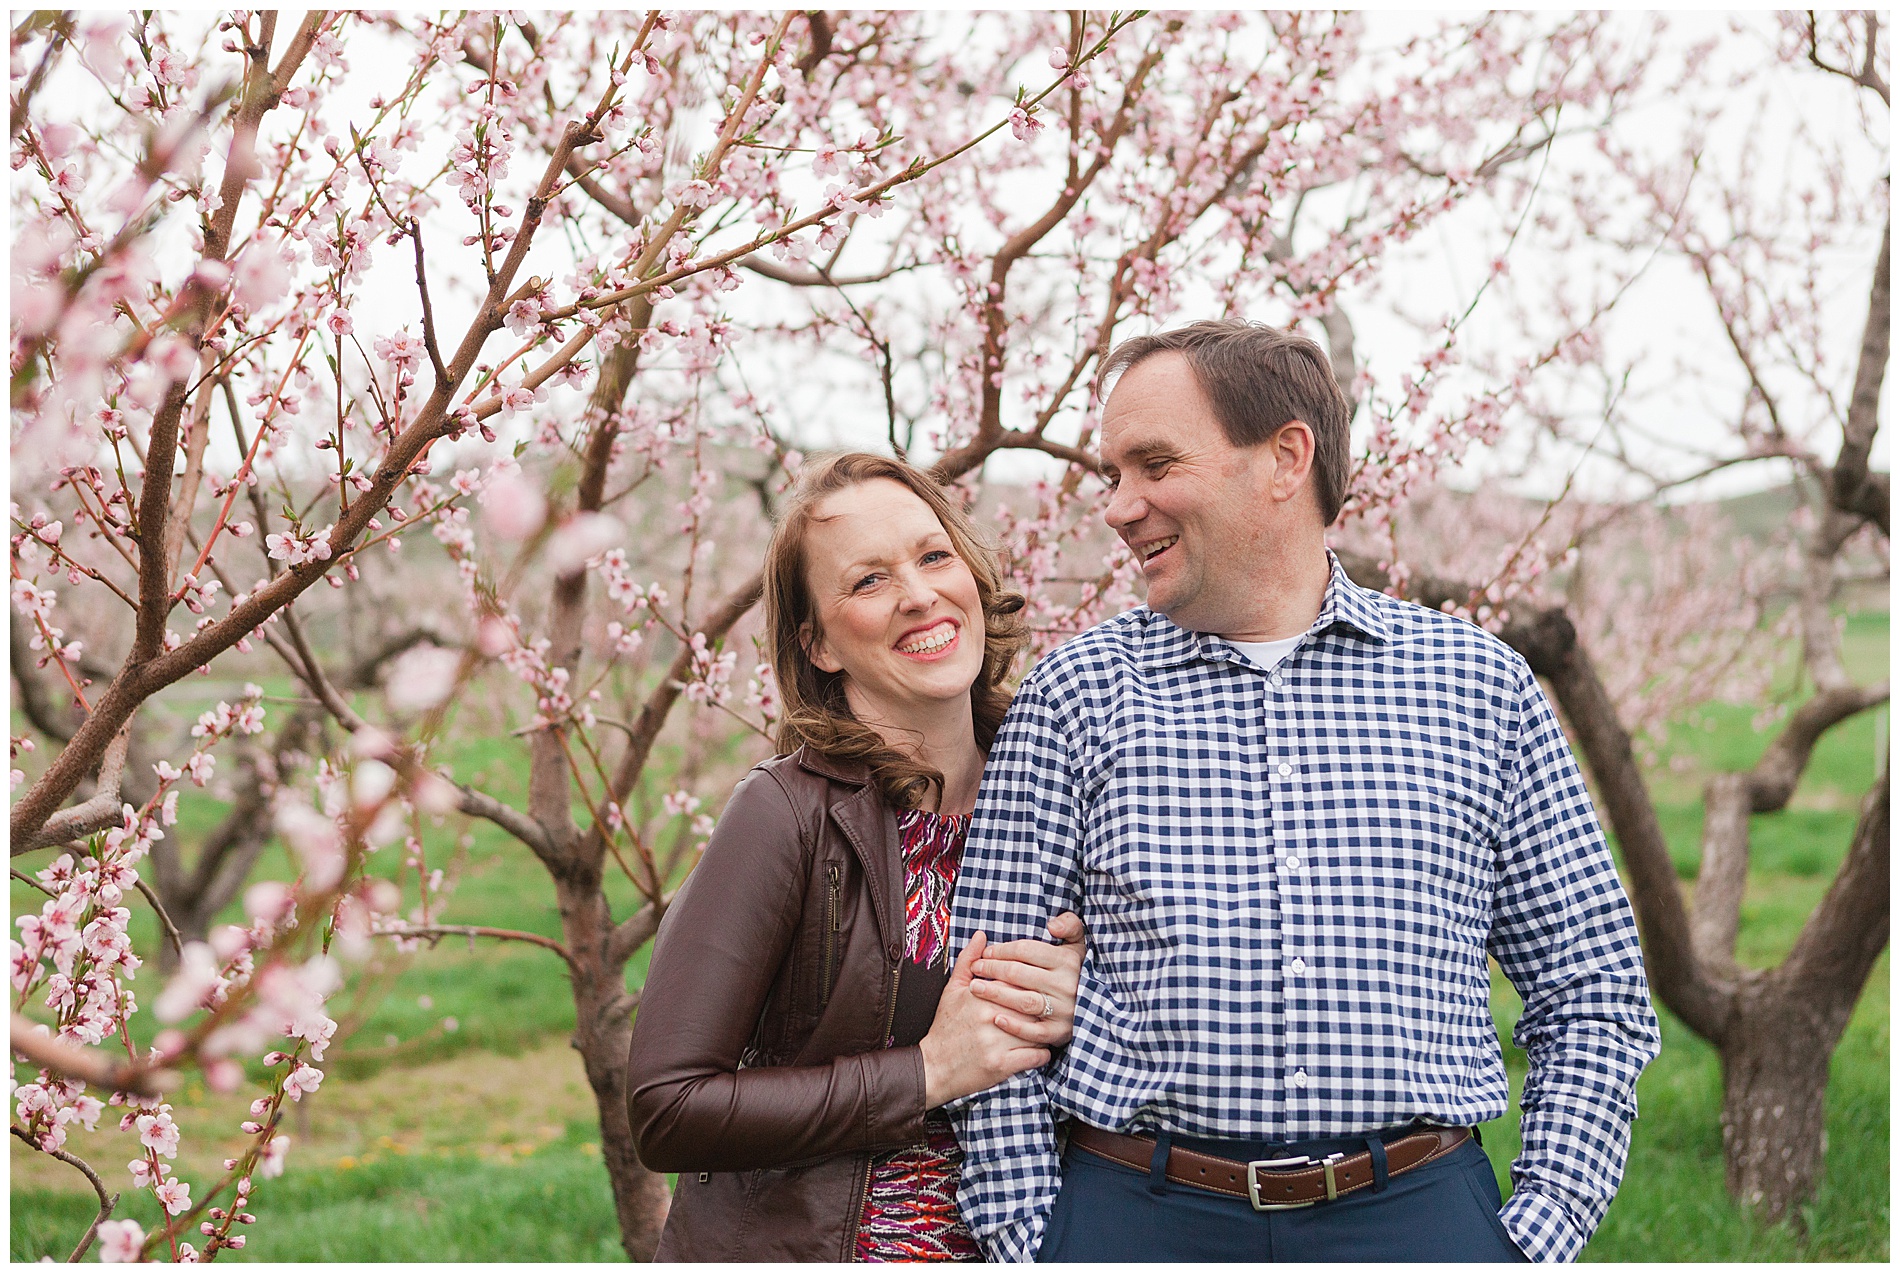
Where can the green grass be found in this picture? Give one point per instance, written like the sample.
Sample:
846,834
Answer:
443,1206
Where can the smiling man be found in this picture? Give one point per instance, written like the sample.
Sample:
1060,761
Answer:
1299,819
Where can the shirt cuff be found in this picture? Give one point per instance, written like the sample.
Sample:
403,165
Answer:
1018,1241
1542,1228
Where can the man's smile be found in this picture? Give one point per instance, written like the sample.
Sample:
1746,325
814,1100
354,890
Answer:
1153,548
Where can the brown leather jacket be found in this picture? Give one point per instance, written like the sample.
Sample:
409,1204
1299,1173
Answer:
757,1069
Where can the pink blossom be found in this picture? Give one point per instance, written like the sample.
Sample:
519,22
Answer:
197,976
400,349
581,537
315,840
512,507
158,1133
120,1241
302,1079
270,1161
422,678
262,276
175,1194
1024,124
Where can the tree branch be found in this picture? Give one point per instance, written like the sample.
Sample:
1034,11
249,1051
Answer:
171,929
433,933
479,804
765,267
653,713
1848,930
89,1065
106,1201
1850,477
101,811
428,311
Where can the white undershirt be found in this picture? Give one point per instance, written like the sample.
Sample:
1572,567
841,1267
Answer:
1267,654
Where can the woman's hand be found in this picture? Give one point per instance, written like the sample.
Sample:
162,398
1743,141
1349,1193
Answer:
1033,982
966,1051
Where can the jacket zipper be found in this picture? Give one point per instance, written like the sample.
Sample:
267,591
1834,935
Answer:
850,1253
832,889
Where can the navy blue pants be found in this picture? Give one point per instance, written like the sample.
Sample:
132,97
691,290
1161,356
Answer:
1445,1210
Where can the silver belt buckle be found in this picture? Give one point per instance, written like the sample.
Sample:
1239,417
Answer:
1287,1164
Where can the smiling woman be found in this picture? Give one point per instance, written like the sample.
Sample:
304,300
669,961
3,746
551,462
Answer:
801,1025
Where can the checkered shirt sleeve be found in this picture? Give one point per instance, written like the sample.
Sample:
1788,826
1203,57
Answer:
1024,871
1560,933
1292,880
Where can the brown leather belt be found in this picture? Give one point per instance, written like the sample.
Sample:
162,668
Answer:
1274,1184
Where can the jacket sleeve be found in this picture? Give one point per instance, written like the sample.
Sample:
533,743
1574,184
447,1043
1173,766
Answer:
718,952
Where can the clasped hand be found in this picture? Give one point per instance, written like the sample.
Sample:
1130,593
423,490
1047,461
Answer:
1006,1006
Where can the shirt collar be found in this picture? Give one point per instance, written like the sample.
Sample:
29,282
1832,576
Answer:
1346,605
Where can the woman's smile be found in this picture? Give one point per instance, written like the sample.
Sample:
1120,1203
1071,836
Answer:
938,640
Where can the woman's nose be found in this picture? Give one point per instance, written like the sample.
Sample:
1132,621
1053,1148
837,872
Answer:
912,592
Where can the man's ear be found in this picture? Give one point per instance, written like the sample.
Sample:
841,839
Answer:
816,650
1292,448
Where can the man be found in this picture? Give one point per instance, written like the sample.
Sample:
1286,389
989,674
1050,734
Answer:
1296,816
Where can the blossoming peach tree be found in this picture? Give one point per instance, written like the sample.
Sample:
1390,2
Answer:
663,253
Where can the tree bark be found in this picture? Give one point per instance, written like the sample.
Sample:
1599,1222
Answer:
603,1015
1774,1090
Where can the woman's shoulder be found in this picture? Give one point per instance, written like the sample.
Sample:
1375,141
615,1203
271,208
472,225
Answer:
805,780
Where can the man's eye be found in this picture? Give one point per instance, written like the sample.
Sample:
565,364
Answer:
1156,468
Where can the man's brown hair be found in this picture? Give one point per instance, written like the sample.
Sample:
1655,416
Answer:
813,709
1258,379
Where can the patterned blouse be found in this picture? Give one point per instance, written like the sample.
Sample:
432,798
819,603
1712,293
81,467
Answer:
910,1202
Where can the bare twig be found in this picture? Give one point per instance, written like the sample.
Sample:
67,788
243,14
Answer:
436,932
29,881
106,1201
171,929
428,312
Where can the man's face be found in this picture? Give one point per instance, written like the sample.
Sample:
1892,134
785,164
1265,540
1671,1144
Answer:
1195,508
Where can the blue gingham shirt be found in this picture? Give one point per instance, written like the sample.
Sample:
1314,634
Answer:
1291,881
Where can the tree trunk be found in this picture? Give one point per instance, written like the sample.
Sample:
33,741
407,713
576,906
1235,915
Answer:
641,1197
1774,1089
603,1016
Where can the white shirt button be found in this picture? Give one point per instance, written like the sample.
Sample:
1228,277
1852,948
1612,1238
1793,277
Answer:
1292,864
1299,966
1299,1078
1275,679
1286,770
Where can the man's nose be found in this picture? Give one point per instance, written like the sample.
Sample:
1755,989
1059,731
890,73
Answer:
1125,507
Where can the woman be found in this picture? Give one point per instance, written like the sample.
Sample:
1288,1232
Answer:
800,1026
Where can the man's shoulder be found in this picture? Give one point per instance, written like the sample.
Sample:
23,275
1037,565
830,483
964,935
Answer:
1418,631
1097,652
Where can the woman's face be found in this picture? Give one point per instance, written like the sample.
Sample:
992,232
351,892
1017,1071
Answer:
897,608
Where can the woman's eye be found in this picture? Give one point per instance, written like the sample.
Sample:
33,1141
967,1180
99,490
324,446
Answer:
864,583
937,556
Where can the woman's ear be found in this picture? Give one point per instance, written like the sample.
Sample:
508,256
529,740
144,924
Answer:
816,650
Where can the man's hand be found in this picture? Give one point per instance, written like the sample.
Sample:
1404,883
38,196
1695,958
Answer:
966,1051
1033,983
